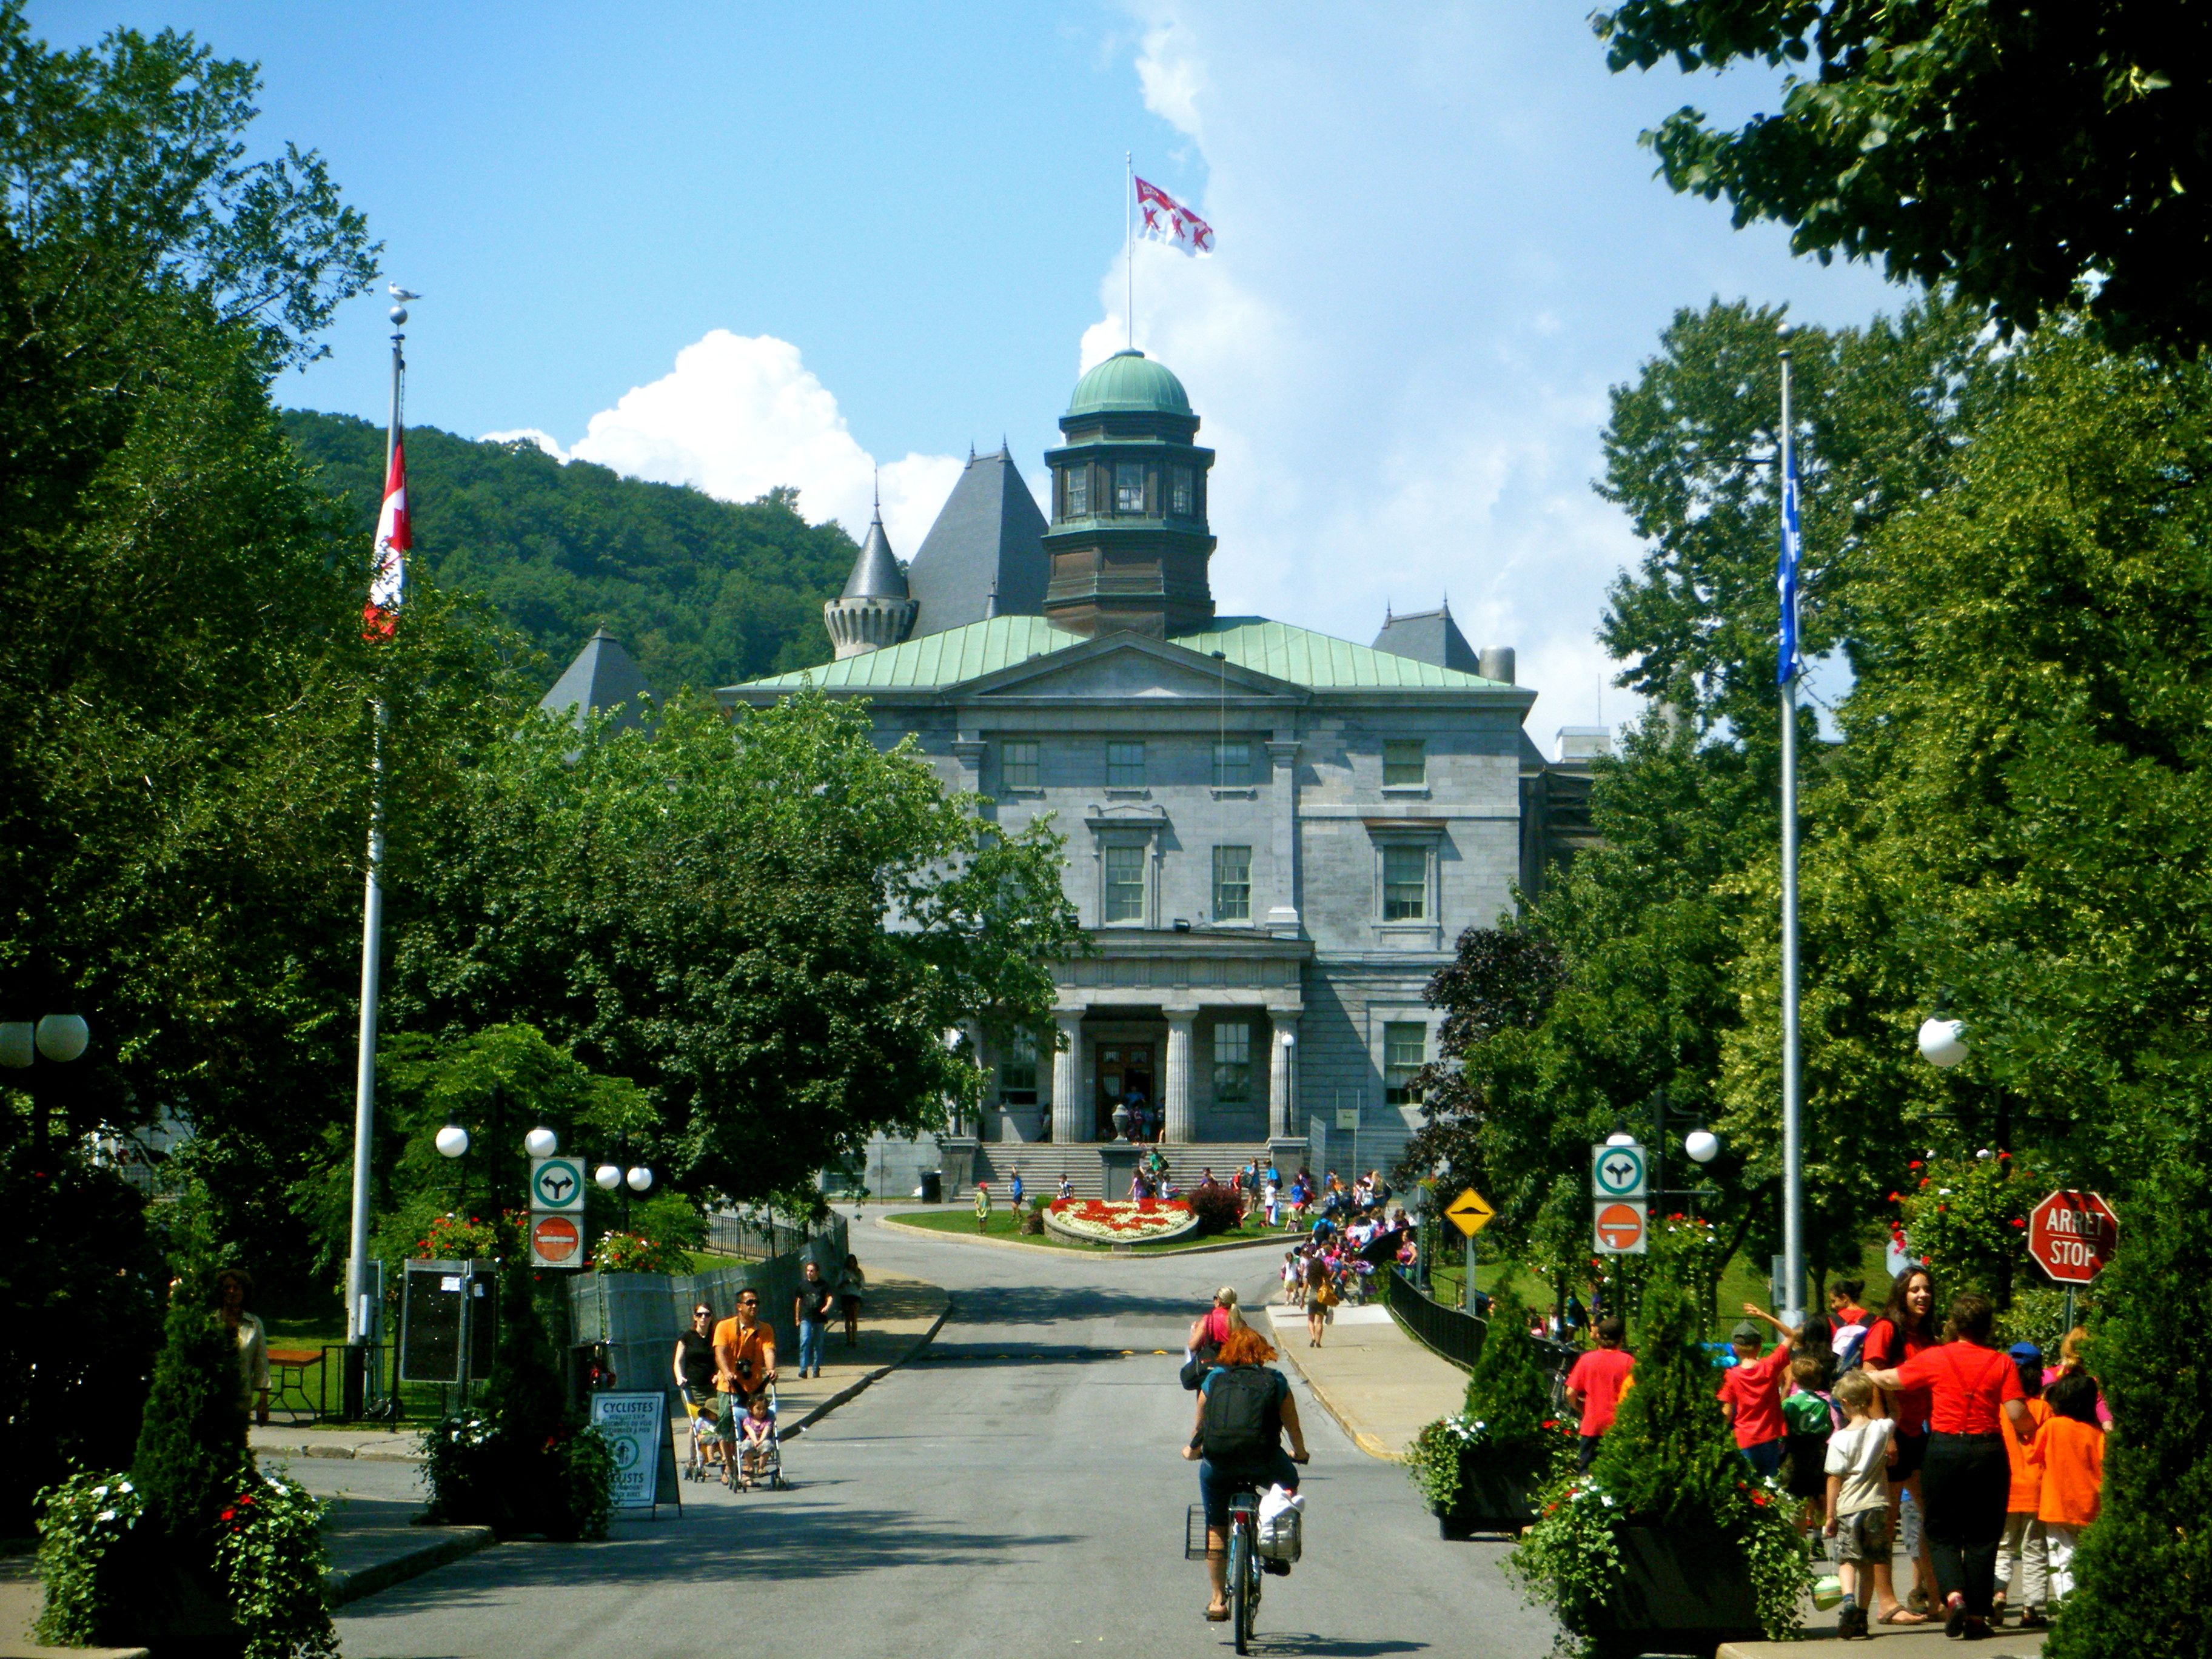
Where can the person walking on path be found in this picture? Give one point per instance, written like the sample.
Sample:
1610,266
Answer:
2069,1450
810,1311
695,1366
1904,1330
1975,1398
744,1364
1751,1394
851,1291
1321,1297
1595,1384
1857,1470
2023,1543
1244,1409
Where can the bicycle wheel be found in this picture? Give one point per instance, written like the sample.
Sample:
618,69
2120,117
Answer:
1240,1608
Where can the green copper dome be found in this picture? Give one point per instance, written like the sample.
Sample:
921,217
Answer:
1129,383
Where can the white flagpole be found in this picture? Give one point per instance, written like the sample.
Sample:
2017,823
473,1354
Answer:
1129,241
358,1324
1793,1154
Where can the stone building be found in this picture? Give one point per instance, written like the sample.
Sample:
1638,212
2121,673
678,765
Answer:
1275,836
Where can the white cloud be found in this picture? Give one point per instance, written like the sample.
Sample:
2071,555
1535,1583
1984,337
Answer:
738,416
544,441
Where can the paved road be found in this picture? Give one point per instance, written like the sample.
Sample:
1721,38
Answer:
1018,1491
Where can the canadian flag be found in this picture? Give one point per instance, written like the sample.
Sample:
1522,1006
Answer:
387,582
1166,220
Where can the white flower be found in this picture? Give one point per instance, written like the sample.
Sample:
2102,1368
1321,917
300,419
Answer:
104,1515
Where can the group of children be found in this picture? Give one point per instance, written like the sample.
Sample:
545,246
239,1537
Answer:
1811,1414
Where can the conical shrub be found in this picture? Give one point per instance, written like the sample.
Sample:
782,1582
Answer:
1668,1456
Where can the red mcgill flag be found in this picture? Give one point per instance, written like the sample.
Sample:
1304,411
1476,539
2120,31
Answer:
387,581
1166,220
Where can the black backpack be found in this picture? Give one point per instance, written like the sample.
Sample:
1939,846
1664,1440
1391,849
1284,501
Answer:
1242,1423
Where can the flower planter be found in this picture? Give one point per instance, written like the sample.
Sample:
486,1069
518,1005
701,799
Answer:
178,1615
1489,1501
1119,1221
1681,1592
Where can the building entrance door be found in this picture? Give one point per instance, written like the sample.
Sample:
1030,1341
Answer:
1125,1079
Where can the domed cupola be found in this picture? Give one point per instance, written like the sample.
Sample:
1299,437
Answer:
1129,543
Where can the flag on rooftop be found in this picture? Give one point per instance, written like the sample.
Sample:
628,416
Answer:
387,582
1166,220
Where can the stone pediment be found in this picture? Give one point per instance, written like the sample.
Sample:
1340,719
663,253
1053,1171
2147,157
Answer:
1130,666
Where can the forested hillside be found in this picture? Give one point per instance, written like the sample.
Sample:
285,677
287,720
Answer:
702,592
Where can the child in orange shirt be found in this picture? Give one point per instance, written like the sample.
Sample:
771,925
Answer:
2024,1543
2069,1450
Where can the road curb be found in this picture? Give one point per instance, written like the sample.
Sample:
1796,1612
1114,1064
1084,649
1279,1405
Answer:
854,1390
1366,1443
340,1588
408,1453
907,1228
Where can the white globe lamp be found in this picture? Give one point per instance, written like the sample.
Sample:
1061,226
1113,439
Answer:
607,1176
453,1140
1943,1041
62,1037
640,1178
541,1142
1702,1144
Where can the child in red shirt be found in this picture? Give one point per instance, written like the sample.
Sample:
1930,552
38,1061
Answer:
1751,1394
1596,1382
2069,1450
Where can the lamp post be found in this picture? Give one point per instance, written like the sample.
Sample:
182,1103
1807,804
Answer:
1943,1043
57,1038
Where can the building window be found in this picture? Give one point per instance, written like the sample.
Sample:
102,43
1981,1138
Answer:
1232,1063
1079,492
1232,884
1017,764
1405,883
1125,884
1129,488
1125,766
1405,760
1182,499
1232,763
1017,1069
1405,1051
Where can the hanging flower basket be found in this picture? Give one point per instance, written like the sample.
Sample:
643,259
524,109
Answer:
1119,1221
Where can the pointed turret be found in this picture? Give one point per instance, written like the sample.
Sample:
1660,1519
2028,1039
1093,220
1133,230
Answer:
874,611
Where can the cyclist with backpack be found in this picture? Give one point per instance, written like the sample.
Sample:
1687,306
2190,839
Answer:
1244,1409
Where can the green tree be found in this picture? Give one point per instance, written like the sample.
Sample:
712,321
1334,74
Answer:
2027,158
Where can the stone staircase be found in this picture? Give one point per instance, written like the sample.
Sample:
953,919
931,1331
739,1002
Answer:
1042,1161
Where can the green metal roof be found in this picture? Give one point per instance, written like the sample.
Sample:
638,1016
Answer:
1128,383
1297,654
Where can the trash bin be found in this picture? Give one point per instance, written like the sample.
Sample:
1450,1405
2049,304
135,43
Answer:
933,1186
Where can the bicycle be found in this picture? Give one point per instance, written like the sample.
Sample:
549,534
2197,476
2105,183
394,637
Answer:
1241,1579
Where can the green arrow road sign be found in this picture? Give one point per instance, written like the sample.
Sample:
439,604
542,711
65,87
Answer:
557,1184
1618,1171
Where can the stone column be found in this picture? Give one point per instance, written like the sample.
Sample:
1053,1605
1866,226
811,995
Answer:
1282,1069
1071,1117
1283,913
1177,1096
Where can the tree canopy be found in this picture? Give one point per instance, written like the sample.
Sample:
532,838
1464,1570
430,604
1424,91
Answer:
2028,157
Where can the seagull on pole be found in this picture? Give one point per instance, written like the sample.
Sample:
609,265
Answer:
401,294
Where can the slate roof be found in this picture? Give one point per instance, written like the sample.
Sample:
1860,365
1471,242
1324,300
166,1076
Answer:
1297,654
602,675
1428,636
988,538
875,574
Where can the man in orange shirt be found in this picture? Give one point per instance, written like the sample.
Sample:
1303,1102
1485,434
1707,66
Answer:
1595,1384
744,1364
1751,1394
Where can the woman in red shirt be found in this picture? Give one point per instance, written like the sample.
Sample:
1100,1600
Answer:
1974,1400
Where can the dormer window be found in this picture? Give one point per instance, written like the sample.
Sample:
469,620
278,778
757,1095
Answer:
1079,492
1129,488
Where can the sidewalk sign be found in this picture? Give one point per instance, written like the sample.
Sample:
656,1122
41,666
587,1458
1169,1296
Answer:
636,1430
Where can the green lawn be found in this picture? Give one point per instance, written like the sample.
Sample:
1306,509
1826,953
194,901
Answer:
1001,1225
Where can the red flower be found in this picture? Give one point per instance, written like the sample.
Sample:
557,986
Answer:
1915,1164
2017,1222
1760,1498
1894,1199
226,1514
1923,1180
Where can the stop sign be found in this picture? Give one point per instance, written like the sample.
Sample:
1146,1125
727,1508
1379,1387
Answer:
2072,1236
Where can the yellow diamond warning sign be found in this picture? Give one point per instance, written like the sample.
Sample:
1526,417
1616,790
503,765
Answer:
1470,1212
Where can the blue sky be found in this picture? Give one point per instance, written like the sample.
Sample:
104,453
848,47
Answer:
742,244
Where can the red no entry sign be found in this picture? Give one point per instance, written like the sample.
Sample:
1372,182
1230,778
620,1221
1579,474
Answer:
2072,1236
1619,1226
556,1242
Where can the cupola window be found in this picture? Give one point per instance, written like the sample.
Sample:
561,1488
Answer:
1129,488
1079,491
1182,492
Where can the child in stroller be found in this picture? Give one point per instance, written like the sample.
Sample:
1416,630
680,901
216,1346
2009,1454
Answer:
760,1454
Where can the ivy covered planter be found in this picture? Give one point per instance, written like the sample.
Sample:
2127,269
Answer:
1678,1592
1488,1501
1480,1470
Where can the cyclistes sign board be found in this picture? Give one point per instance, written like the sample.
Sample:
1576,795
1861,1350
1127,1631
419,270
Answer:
555,1241
1619,1171
1470,1212
637,1433
2073,1237
1620,1227
556,1184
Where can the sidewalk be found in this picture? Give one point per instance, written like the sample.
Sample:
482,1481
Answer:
1380,1386
1911,1642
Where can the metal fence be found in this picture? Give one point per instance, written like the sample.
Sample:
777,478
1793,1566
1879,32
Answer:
758,1237
1456,1335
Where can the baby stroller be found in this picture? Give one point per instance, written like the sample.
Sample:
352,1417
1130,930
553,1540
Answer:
698,1464
752,1462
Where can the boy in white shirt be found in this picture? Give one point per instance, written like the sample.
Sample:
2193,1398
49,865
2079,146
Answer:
1859,1456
